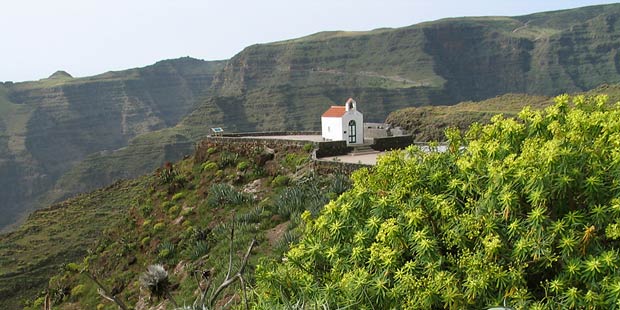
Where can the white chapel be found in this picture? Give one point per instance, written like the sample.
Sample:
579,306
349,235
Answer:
343,123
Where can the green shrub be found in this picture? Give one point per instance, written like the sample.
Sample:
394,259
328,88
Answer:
523,209
280,180
166,250
178,196
78,290
308,147
339,184
242,166
166,173
164,253
178,182
209,166
146,224
73,267
187,211
173,211
254,216
38,303
199,249
145,241
292,161
228,159
167,204
145,210
211,150
288,238
222,194
159,227
257,172
293,200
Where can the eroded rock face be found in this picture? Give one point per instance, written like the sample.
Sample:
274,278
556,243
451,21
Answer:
288,84
52,124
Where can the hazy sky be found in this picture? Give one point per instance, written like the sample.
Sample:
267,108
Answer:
87,37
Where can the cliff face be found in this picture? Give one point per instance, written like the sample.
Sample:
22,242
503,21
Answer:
287,85
141,117
52,124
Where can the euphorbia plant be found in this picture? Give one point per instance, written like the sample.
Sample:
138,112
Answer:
525,210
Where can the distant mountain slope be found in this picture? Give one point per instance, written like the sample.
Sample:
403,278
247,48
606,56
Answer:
49,126
428,123
288,84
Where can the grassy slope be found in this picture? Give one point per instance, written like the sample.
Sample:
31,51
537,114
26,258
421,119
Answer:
14,117
144,153
428,123
381,81
56,235
126,214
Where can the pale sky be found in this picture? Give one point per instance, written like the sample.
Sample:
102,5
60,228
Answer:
87,37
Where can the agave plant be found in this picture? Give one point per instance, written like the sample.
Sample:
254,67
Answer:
155,280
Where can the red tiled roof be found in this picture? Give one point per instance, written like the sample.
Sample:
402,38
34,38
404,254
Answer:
334,111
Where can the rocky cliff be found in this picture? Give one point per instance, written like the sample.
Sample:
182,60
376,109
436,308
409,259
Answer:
49,125
286,85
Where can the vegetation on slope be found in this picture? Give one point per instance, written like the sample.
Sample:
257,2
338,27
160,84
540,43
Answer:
56,235
428,123
179,217
524,210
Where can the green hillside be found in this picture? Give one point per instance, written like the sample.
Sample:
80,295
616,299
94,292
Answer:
48,126
56,235
288,84
428,123
174,215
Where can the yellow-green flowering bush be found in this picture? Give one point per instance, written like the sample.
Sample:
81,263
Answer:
524,209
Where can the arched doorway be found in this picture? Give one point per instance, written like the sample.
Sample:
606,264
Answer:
352,132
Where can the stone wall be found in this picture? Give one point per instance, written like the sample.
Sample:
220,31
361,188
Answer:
246,146
392,143
271,133
336,167
332,148
249,146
